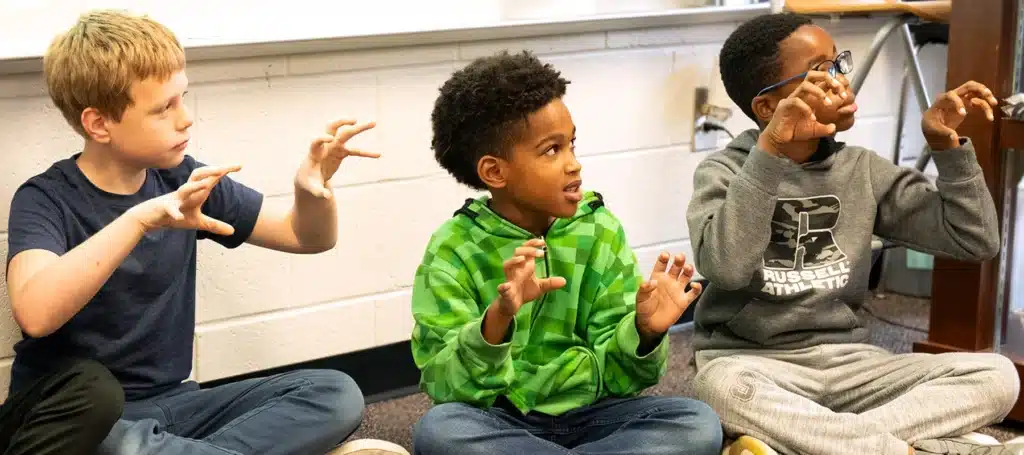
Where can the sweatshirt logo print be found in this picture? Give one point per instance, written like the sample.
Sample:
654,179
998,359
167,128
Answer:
802,253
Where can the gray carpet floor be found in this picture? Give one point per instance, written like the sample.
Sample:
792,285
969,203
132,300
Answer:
896,322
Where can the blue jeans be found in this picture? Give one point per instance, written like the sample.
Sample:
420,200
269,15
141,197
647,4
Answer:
303,412
647,425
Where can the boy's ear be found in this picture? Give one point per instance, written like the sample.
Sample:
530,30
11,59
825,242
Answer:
491,171
764,107
95,125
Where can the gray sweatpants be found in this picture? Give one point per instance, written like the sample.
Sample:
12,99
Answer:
853,398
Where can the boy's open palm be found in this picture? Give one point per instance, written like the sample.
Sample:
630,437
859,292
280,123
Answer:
940,121
325,156
794,119
663,299
182,209
522,285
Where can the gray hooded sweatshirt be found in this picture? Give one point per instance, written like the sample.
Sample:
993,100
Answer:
787,247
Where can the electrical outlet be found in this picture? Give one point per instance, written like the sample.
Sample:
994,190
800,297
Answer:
705,140
698,138
708,122
701,96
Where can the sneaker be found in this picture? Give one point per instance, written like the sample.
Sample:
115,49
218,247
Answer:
748,445
970,444
982,439
369,447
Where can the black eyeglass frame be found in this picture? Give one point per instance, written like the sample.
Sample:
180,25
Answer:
843,63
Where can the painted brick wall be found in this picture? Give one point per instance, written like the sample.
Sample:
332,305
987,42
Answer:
631,97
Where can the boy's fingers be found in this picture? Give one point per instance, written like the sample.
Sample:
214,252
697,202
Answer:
975,87
817,129
677,265
318,143
953,101
801,107
318,189
695,290
817,76
938,127
648,286
821,129
507,291
807,89
362,153
332,128
173,211
844,90
527,251
959,103
536,243
201,190
687,274
661,264
514,261
208,171
949,132
550,284
348,133
510,265
823,77
216,226
981,104
191,187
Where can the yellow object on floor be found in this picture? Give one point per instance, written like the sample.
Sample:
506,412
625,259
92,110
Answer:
369,447
747,445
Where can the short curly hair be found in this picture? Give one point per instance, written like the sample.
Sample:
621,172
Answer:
749,59
482,110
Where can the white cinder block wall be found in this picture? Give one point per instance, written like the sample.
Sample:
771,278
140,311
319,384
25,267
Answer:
631,97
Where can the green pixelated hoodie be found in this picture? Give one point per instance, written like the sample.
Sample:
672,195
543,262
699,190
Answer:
563,351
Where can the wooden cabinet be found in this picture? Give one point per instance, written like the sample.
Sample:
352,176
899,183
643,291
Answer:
972,303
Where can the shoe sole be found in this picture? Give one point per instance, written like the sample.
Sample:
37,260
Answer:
369,447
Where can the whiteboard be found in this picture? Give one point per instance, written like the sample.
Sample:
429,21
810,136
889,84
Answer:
28,26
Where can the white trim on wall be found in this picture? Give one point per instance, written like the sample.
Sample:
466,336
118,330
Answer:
231,47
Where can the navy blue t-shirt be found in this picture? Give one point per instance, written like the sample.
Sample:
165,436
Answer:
140,324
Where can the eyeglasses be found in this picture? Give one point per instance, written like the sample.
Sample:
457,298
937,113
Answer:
842,64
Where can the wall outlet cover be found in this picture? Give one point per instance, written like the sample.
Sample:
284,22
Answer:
705,140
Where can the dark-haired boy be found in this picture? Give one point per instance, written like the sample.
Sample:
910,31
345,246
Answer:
781,224
534,328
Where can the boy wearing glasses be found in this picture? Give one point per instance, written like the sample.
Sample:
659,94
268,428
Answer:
781,224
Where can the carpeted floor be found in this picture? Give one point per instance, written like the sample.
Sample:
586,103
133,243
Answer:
392,420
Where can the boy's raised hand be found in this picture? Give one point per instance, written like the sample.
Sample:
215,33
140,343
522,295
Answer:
325,156
182,209
522,285
940,121
664,298
794,119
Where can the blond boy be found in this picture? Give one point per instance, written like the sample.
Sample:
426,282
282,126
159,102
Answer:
102,259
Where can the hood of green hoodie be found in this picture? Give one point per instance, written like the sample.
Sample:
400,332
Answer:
491,222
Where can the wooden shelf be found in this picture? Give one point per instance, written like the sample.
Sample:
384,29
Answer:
963,316
1011,134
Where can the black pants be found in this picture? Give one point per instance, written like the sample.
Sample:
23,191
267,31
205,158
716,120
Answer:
67,412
